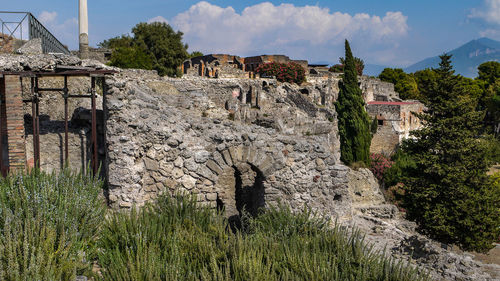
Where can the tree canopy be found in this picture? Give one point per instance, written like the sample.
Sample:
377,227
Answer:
154,46
353,121
339,68
404,84
448,192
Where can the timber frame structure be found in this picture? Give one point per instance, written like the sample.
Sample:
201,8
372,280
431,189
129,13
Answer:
35,93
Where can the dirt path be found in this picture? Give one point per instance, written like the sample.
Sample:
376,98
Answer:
492,257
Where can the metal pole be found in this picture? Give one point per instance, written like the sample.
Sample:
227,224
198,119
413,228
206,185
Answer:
2,172
37,122
33,120
94,127
65,94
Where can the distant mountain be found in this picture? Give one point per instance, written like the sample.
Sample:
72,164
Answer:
466,58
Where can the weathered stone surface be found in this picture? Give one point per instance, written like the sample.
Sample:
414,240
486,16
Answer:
364,188
32,47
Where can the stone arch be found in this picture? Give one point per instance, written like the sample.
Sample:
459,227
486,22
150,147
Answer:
241,177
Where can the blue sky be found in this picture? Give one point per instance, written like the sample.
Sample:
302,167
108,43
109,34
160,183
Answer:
384,32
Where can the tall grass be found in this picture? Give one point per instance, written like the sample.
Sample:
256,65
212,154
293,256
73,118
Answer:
177,240
49,224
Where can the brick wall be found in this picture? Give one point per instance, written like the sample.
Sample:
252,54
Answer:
4,152
14,121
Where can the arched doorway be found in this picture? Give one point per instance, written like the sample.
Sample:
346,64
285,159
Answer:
241,189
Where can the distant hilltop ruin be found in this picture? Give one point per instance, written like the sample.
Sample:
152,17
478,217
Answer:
231,66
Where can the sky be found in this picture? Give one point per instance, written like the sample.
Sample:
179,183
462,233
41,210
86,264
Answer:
394,33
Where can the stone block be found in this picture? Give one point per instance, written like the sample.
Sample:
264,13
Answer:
188,182
177,173
219,160
179,162
201,156
151,165
211,196
227,157
214,167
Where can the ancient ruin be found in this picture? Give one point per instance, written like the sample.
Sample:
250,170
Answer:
234,142
230,66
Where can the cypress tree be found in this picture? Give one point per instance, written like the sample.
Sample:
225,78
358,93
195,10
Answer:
448,192
353,121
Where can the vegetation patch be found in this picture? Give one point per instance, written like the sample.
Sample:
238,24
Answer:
177,240
49,225
284,72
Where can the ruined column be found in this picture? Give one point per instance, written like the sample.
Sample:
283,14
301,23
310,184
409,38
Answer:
83,21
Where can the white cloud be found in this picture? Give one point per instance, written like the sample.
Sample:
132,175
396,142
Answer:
492,33
65,31
47,17
490,12
286,28
158,19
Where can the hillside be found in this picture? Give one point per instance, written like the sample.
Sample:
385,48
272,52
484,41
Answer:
466,58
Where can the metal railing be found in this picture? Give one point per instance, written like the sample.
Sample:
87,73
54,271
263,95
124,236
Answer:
50,44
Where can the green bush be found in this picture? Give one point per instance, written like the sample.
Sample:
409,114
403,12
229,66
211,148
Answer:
401,161
493,149
49,224
339,68
284,72
177,240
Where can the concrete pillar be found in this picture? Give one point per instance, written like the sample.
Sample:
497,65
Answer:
83,20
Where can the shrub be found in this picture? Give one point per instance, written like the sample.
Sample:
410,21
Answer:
339,68
178,240
284,72
401,161
379,164
395,194
49,224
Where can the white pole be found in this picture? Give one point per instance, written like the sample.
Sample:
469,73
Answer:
83,20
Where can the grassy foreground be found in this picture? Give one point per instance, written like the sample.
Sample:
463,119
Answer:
53,228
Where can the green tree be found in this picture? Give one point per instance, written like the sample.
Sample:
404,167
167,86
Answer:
154,46
489,80
131,57
489,71
404,83
426,80
353,121
116,42
338,68
195,54
448,192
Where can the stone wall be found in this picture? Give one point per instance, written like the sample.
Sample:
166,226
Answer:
177,135
395,122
